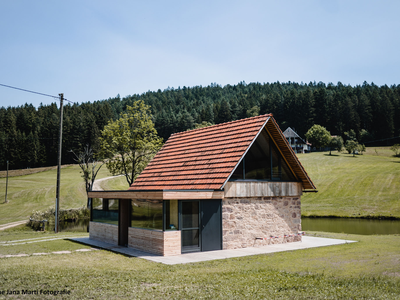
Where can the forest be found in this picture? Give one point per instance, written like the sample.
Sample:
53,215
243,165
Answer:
29,135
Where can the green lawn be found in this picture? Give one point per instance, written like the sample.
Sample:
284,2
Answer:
360,186
38,192
369,269
115,184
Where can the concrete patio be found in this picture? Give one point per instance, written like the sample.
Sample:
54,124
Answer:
306,243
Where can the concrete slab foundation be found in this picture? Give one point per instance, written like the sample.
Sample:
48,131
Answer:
307,242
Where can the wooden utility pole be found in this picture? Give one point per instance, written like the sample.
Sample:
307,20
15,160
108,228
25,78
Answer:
59,164
6,201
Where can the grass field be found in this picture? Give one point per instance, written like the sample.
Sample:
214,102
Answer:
362,186
369,269
37,191
118,183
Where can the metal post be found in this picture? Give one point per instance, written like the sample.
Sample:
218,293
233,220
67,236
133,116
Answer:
59,165
6,201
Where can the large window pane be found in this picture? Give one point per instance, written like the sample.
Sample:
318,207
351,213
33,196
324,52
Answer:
190,214
263,161
147,214
171,214
105,210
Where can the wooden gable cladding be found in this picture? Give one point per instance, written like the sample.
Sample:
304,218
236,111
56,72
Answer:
289,155
238,189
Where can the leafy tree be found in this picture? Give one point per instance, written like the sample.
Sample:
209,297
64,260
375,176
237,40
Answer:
350,135
351,146
202,124
335,143
361,148
396,149
318,136
89,167
130,142
253,112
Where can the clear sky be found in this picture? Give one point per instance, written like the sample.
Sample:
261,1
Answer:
94,49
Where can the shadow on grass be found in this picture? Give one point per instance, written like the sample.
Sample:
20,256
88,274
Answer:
331,154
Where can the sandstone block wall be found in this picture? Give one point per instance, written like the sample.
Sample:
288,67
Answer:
245,219
103,232
155,241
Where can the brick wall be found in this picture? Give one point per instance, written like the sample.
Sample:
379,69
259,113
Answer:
155,241
103,232
245,219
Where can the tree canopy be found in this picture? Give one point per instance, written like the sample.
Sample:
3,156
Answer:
130,142
29,135
318,136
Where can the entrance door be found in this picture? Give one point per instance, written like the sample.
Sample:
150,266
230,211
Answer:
190,225
201,225
211,225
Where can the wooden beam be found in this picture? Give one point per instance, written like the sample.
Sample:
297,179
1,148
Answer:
193,195
155,195
158,195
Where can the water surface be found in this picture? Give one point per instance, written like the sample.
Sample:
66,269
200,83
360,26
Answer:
354,226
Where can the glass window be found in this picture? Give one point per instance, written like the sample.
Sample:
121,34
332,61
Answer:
105,210
171,215
257,161
147,214
263,161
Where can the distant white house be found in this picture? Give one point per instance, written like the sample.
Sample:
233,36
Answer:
296,142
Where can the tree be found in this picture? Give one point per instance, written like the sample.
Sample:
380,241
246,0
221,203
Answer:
335,143
361,148
130,142
318,136
351,146
89,168
202,124
396,149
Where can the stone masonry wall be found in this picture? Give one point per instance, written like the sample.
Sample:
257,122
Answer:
245,219
103,232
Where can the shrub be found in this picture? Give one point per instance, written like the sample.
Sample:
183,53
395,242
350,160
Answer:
37,217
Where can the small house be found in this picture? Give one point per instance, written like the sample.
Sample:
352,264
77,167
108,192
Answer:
227,186
296,142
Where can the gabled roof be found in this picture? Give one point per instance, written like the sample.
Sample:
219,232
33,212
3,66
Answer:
289,132
204,159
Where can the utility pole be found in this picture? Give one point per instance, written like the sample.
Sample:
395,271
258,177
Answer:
6,184
59,164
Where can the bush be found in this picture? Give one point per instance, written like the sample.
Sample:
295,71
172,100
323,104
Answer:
37,217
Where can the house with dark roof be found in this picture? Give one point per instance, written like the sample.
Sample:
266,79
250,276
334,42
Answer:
296,142
227,186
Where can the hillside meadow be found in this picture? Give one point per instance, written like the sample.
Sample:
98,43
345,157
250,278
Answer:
37,191
365,185
368,269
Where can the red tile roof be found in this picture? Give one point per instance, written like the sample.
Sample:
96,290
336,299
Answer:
200,159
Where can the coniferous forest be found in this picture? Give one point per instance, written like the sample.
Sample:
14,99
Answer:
29,135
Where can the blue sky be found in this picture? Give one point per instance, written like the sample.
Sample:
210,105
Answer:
93,50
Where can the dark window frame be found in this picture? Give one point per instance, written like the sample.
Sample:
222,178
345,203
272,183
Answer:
281,160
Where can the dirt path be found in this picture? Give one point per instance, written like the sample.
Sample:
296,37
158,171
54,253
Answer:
13,224
96,184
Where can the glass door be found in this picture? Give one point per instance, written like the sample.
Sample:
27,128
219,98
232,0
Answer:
190,225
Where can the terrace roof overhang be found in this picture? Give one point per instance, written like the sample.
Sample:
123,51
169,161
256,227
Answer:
159,194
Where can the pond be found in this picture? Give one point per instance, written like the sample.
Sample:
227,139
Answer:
354,226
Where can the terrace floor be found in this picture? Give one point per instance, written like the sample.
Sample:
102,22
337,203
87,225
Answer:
307,242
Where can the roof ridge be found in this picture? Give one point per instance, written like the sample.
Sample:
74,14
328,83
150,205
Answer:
221,124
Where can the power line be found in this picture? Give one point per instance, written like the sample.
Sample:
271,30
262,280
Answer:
29,91
47,95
